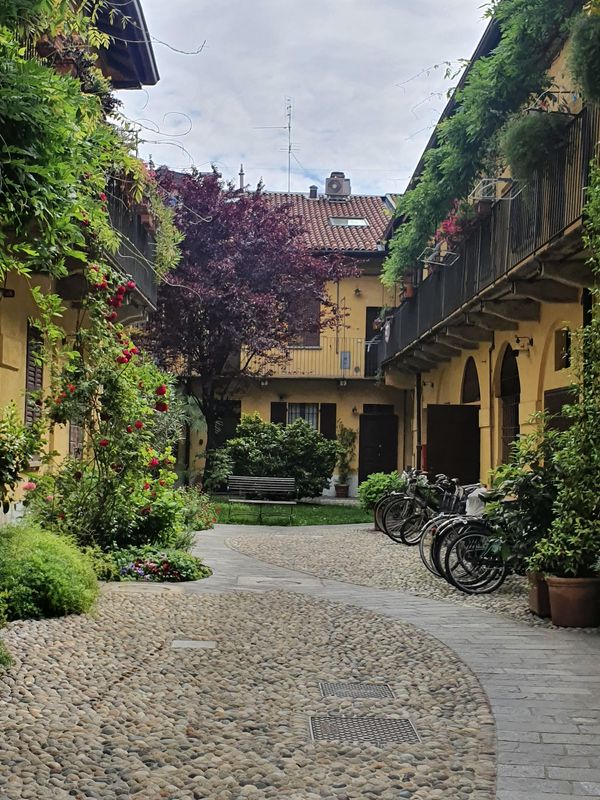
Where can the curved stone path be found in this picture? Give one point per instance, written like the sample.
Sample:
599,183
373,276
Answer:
543,684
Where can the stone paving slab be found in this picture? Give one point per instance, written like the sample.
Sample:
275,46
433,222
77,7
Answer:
494,647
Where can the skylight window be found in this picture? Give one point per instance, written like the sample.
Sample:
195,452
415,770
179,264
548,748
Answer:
348,222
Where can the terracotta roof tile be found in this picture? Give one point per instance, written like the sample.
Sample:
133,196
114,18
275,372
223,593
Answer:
314,215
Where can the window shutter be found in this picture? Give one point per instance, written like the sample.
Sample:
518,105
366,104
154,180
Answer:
34,373
279,413
327,422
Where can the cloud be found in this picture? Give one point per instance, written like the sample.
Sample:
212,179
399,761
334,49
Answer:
366,81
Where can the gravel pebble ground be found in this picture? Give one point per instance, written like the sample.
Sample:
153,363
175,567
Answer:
101,707
369,558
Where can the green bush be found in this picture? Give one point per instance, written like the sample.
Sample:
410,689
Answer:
585,54
529,141
377,486
150,563
293,451
43,575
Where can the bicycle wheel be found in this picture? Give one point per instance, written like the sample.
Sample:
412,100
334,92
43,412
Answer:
471,564
446,533
411,531
435,527
380,506
395,516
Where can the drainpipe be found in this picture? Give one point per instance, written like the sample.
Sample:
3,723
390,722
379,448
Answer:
491,399
418,401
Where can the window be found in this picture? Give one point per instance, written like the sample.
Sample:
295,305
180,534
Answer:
470,387
34,373
311,335
306,411
562,349
349,222
75,440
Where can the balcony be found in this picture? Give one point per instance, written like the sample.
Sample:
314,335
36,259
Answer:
335,357
527,251
135,257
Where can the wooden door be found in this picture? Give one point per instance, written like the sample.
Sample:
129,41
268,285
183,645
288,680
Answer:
377,444
453,441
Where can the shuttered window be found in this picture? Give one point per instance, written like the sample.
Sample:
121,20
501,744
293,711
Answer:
75,441
279,413
34,373
327,421
309,412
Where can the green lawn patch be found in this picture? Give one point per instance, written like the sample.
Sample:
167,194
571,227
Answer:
302,514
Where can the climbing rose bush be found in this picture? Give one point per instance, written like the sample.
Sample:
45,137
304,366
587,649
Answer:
119,491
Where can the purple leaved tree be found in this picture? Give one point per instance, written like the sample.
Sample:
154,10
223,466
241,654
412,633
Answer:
245,291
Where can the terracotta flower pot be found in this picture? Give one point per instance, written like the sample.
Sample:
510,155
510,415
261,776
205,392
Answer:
574,602
341,490
539,600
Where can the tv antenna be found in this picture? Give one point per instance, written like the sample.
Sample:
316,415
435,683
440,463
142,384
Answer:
291,147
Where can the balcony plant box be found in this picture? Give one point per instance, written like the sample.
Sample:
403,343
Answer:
539,600
574,602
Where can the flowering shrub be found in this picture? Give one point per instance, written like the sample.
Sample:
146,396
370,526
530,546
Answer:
200,511
18,443
120,492
152,564
457,224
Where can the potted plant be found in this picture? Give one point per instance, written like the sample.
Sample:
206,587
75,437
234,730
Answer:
568,555
529,141
346,443
527,486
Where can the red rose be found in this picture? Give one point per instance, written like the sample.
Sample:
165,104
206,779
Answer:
161,406
130,285
146,486
71,387
103,442
153,463
112,316
102,197
85,221
121,290
139,424
129,429
122,360
134,351
161,390
161,483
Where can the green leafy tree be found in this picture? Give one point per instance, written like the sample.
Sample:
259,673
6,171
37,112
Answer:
295,451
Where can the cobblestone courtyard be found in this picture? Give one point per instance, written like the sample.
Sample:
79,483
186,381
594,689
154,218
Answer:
105,707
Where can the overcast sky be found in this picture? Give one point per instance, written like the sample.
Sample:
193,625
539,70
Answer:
361,76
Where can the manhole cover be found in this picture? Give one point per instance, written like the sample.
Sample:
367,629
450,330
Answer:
376,730
355,690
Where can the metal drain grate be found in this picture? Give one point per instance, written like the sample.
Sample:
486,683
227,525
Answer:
376,730
375,690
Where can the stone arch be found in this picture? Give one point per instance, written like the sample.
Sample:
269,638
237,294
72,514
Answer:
508,390
470,390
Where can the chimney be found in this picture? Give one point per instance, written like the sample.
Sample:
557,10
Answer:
312,192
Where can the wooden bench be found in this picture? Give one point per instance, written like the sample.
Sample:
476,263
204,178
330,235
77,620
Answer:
270,491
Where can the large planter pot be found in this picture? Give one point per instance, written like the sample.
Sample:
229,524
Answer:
341,490
539,600
574,602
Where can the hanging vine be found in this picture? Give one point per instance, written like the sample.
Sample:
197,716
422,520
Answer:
496,87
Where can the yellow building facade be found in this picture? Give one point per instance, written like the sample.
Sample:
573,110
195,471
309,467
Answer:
333,377
486,335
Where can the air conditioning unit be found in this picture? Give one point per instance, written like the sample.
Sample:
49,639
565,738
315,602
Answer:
337,186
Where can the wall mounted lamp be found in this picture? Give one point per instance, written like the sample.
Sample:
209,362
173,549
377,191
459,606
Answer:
427,383
354,410
357,291
264,382
524,342
343,382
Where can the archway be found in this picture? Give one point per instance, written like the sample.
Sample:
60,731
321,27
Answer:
470,392
510,398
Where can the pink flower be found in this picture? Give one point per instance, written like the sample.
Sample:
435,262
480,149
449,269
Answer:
29,486
49,498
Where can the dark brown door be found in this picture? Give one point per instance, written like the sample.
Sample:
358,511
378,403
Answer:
510,397
377,444
453,441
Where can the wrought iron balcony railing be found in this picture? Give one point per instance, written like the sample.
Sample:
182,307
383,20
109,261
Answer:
135,256
337,357
514,231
